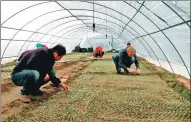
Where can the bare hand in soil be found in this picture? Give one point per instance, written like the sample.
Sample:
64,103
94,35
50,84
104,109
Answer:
130,70
65,87
138,72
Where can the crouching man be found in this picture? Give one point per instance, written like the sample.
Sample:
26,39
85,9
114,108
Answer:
98,52
32,68
125,59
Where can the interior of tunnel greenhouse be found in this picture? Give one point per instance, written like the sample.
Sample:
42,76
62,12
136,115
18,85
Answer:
95,61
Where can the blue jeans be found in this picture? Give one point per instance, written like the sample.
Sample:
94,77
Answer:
118,67
30,80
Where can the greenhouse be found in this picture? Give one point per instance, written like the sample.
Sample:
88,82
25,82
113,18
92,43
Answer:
158,33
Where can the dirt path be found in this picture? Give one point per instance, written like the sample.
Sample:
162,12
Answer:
10,101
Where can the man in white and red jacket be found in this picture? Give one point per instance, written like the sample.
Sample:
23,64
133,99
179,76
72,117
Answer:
98,52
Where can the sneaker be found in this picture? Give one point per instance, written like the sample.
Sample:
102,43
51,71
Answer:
25,99
37,93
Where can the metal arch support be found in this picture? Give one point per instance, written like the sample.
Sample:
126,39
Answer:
133,17
111,16
54,28
98,29
72,14
52,12
83,30
97,24
149,46
148,53
176,13
40,39
95,17
150,11
59,19
43,33
60,32
139,26
115,18
23,27
76,33
57,39
64,29
174,48
23,10
72,26
24,30
80,33
140,42
81,27
162,29
170,40
49,12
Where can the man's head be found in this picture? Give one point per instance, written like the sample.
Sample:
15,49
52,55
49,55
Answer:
131,51
99,48
128,44
58,51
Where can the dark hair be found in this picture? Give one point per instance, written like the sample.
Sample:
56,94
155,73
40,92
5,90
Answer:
128,43
60,49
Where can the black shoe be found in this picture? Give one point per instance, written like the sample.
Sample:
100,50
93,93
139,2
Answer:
37,93
118,72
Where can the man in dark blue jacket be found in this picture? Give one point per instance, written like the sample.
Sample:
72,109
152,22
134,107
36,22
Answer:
32,68
125,59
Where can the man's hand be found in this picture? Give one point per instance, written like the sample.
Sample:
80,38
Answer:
46,78
138,71
65,87
130,70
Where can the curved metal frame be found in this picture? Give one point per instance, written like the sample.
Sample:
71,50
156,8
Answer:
24,26
48,23
23,10
54,28
132,21
133,16
58,19
152,38
68,28
97,18
112,28
42,36
176,13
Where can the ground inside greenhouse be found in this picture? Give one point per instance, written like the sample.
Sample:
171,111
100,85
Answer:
97,93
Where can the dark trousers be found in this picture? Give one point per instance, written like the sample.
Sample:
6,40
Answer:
30,80
117,66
